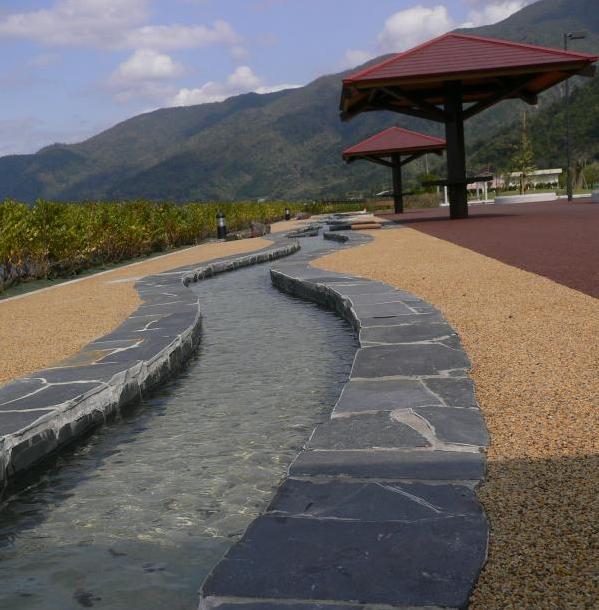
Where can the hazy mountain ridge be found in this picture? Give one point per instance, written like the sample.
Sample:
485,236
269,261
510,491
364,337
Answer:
286,144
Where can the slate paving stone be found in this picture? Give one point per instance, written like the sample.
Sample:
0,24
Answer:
327,279
279,605
49,396
158,297
18,388
379,501
385,361
91,372
453,341
427,331
13,422
151,346
423,308
386,395
418,318
365,432
453,392
110,344
365,287
170,309
454,425
175,324
425,563
131,326
383,310
384,297
391,463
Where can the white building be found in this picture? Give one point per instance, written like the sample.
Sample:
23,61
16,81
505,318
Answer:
540,176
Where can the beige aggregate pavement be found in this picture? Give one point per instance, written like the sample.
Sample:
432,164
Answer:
534,348
40,329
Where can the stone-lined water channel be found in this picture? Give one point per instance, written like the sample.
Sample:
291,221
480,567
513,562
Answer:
135,516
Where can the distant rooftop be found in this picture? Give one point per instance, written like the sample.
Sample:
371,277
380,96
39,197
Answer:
394,140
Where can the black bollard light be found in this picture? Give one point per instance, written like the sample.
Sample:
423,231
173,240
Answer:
221,225
287,214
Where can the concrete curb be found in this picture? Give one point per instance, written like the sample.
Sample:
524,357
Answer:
378,509
53,407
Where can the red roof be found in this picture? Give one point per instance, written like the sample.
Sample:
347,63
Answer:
394,140
453,54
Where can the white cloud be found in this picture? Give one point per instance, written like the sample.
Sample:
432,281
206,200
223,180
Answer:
76,22
111,24
146,64
414,25
355,57
495,11
145,75
239,53
276,88
407,28
170,37
242,80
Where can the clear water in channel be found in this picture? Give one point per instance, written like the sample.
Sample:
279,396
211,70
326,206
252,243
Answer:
135,516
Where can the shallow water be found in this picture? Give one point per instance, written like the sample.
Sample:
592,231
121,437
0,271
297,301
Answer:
135,516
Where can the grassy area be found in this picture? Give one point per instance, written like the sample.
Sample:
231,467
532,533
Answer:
50,240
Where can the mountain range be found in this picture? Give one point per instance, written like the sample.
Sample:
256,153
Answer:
288,144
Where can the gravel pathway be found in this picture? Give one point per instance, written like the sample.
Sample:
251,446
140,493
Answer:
533,344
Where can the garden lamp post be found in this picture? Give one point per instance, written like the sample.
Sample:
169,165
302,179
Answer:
569,36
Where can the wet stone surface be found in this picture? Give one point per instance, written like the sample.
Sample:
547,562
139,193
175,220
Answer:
407,360
365,395
383,562
391,464
365,432
379,507
378,501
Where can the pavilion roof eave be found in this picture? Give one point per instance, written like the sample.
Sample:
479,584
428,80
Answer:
386,159
433,148
474,92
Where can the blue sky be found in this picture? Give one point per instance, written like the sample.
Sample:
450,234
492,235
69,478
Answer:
71,68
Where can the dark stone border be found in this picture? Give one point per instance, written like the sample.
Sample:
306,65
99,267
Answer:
335,236
379,507
50,408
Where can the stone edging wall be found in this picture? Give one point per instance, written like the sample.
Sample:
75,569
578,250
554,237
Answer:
50,408
379,507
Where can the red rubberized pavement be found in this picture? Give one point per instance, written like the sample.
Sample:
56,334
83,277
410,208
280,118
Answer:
558,240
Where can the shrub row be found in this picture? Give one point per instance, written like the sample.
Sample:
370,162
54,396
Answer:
52,239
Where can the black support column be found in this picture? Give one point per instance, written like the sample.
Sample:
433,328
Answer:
397,185
456,152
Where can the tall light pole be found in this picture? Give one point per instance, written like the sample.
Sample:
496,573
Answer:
569,36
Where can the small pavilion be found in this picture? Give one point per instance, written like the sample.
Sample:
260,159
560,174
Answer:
387,148
454,77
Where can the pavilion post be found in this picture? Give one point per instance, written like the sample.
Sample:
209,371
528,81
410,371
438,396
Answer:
397,185
456,150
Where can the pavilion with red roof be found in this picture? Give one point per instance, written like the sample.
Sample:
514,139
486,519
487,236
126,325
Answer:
454,77
387,147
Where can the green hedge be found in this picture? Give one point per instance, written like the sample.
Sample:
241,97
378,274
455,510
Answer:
52,239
